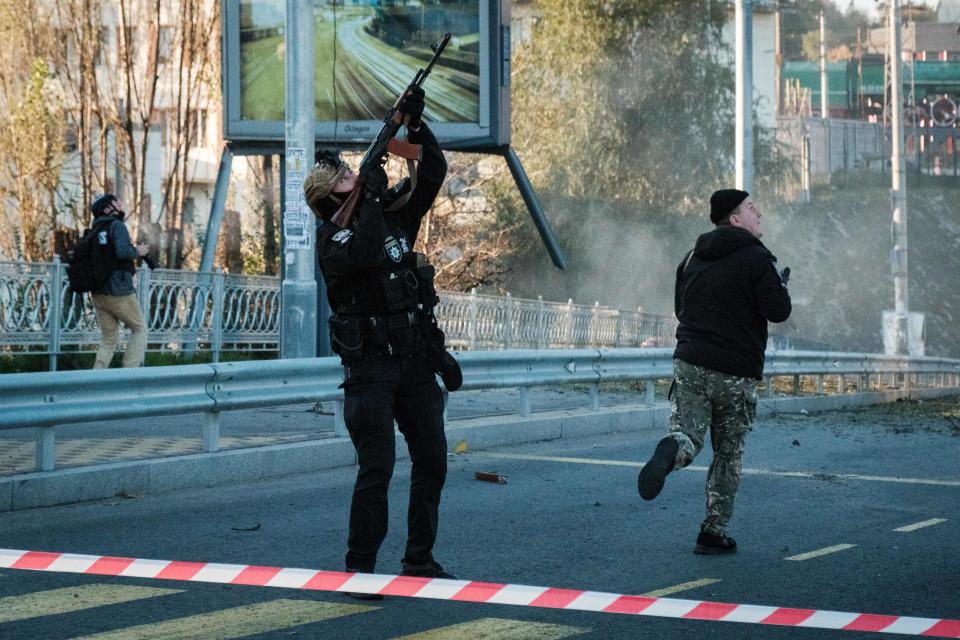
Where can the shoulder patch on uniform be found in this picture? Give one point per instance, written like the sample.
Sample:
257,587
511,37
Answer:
342,236
392,247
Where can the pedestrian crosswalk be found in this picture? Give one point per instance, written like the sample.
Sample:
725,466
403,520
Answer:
498,629
89,610
72,599
235,622
276,615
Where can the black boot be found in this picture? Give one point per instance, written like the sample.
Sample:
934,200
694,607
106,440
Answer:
650,480
711,544
431,569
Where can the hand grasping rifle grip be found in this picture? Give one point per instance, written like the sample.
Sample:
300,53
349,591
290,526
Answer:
385,142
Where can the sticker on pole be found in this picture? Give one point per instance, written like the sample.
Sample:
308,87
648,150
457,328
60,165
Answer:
296,230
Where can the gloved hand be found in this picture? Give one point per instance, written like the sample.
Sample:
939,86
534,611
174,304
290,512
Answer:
376,182
412,105
785,275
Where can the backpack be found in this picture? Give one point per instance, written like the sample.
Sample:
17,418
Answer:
89,264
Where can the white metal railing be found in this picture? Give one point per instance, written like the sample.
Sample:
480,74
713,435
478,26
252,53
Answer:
44,400
184,310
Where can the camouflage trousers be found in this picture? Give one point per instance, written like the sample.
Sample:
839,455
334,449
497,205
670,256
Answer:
726,405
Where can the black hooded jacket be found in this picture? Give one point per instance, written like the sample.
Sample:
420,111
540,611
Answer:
725,294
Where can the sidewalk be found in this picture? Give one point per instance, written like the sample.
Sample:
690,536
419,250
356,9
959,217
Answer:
156,437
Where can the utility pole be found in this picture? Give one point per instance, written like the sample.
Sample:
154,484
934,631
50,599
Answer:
743,15
298,291
824,86
777,59
898,191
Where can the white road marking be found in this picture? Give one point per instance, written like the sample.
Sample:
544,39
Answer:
920,525
501,629
238,622
71,599
821,552
752,472
677,588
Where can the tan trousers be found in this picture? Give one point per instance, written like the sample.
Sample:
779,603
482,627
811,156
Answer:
110,310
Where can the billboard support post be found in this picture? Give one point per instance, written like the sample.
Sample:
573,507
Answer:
535,208
298,292
216,211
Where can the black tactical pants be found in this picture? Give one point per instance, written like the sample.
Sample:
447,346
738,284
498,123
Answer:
377,391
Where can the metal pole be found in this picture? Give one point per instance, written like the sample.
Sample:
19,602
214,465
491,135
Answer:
824,87
777,59
216,313
744,97
536,209
298,294
898,190
55,310
216,211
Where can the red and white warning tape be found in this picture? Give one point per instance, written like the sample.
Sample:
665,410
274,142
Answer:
468,591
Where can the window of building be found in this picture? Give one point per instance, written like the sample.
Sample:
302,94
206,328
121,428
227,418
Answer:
165,48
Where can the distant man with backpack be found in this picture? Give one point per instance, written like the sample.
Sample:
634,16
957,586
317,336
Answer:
115,300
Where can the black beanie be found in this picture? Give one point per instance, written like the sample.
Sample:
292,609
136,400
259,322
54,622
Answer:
101,203
724,201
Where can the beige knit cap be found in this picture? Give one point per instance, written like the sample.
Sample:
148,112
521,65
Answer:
319,184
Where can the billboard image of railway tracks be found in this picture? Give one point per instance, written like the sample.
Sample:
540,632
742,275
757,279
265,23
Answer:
366,52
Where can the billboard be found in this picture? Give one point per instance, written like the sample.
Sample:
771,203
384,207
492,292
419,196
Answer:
366,52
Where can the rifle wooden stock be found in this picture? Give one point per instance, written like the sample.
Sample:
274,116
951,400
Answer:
344,215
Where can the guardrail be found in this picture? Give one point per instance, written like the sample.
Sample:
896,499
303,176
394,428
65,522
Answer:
44,400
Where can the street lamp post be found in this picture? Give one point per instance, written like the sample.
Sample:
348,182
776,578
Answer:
898,190
743,15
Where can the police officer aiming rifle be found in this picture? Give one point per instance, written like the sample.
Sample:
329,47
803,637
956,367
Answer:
383,328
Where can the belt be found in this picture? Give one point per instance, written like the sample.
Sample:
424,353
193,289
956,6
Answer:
399,320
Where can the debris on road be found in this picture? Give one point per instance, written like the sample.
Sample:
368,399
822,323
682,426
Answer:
487,476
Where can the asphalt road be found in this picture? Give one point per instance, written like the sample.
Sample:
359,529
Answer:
814,482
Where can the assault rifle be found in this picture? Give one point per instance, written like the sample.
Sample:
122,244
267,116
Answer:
386,143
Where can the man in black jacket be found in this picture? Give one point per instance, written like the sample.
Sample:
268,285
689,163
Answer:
115,301
382,296
727,289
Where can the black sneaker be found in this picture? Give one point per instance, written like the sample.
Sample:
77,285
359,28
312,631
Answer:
357,595
650,480
711,544
429,570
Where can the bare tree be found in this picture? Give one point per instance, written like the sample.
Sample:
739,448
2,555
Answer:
196,59
99,78
266,186
79,27
31,132
471,231
133,112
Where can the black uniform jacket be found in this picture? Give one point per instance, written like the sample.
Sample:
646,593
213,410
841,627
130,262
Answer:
355,260
725,294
